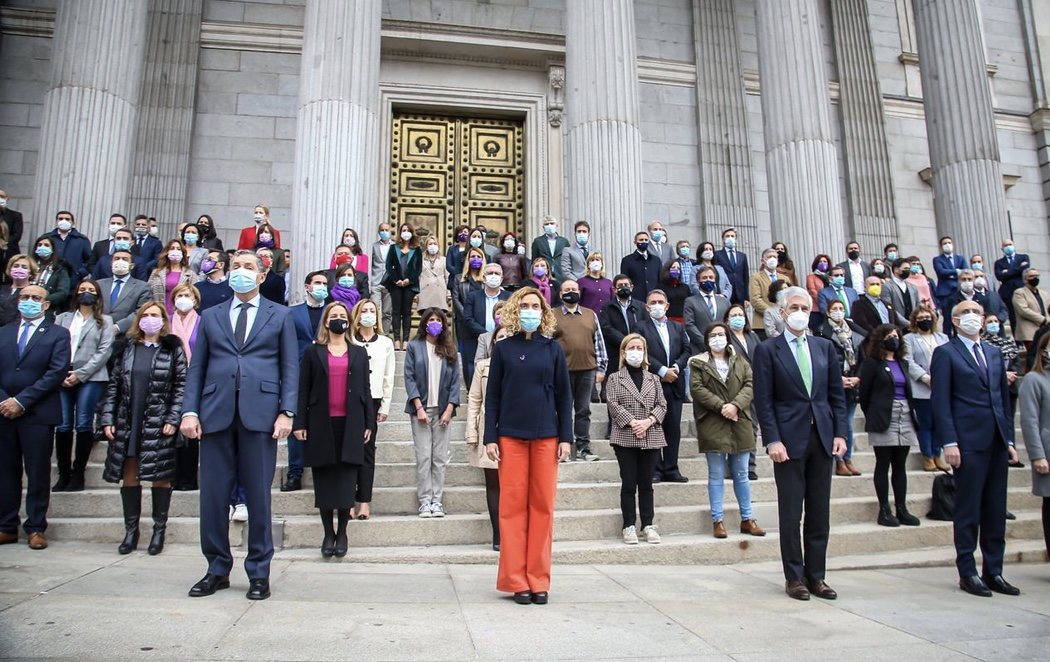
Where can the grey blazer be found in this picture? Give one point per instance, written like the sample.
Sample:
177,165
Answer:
133,294
1035,425
417,380
698,318
96,345
892,297
377,264
919,358
574,261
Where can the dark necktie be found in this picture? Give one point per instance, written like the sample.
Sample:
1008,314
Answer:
241,329
23,339
978,354
732,260
115,293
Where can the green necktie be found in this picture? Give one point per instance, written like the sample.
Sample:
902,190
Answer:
803,364
844,300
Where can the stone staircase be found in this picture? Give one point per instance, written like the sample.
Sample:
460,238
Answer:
587,524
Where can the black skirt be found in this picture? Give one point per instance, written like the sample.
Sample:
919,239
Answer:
335,484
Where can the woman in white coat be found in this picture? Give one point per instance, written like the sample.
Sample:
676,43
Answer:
476,431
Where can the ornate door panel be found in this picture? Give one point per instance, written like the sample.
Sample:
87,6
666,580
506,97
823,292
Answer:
446,171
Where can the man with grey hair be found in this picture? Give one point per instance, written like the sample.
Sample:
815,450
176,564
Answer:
801,409
550,246
478,313
759,289
1030,308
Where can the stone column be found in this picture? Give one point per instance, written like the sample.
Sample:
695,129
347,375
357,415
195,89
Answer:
87,131
603,141
725,148
805,202
337,137
160,170
869,178
968,195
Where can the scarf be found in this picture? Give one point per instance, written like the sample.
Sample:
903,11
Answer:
186,330
347,295
844,339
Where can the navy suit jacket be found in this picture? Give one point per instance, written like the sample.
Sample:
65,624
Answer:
74,250
739,276
1008,273
474,311
969,405
785,411
644,273
947,276
305,332
34,379
268,364
145,257
658,358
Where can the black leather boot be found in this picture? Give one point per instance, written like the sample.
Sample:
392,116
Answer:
161,503
886,517
131,499
63,457
85,441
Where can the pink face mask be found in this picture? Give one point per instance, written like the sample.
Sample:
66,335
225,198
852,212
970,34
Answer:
151,325
19,273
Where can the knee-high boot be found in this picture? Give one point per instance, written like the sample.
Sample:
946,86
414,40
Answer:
63,455
161,503
131,499
85,441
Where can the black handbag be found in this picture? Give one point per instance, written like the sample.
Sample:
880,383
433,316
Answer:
943,507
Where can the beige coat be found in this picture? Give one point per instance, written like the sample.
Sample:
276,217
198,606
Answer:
1027,310
476,418
758,288
433,284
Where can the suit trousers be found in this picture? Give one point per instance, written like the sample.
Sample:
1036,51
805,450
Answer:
980,509
231,457
804,483
528,481
672,425
381,298
431,440
582,382
25,446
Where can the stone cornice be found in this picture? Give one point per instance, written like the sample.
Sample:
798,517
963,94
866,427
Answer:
909,57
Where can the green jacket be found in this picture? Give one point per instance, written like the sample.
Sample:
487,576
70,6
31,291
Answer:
716,433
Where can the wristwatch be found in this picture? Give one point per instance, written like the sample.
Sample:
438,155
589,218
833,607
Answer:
289,414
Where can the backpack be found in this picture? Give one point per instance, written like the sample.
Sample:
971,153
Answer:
943,507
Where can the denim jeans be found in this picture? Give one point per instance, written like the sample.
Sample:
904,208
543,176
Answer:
851,410
296,457
924,430
716,489
78,406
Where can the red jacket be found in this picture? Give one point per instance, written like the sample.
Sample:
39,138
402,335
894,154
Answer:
247,240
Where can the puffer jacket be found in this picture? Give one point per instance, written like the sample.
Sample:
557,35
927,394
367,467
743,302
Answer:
163,405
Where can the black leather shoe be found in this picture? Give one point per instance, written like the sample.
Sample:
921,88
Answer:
258,589
676,478
1000,585
752,475
292,485
209,585
342,545
974,586
818,588
539,598
1009,515
523,598
797,590
657,478
328,547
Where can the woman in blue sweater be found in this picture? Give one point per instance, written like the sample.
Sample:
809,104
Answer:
528,430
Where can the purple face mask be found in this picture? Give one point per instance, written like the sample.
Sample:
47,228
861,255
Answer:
151,325
434,328
475,263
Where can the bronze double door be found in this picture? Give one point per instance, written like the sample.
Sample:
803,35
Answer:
448,171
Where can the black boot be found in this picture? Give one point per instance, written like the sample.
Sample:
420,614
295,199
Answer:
161,503
131,499
85,441
886,517
906,518
63,457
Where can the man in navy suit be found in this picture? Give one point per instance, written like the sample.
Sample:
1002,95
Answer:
478,314
1009,271
971,401
71,246
948,266
668,351
241,396
802,410
146,249
34,359
734,263
642,267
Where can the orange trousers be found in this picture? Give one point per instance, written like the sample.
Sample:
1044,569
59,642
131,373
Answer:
528,481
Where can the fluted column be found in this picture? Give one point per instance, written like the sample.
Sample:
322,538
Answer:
725,148
801,161
87,130
868,173
603,142
160,171
968,195
337,136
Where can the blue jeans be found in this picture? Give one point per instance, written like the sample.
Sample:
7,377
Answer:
78,406
716,489
295,457
924,431
851,410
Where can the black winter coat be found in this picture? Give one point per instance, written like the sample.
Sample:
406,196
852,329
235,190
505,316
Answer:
164,405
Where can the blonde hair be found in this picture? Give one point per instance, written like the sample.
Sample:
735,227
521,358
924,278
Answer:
323,337
184,288
510,315
645,349
22,256
466,263
355,317
136,334
595,255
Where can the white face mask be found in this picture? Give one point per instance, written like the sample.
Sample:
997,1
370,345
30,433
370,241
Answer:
771,264
432,249
980,282
798,320
184,304
595,266
493,280
350,241
971,323
509,243
708,255
154,230
121,267
717,343
113,229
406,236
657,311
966,285
838,315
947,248
634,357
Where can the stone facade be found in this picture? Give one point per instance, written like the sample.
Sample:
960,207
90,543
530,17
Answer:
498,55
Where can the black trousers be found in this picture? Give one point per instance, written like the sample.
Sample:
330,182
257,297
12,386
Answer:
25,446
980,509
895,457
401,312
672,426
366,475
187,459
636,476
804,484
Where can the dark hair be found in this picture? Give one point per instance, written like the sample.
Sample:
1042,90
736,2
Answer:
724,233
818,258
504,238
74,221
623,277
725,329
127,252
414,241
887,247
120,216
143,217
948,237
703,245
704,269
195,227
774,289
873,346
581,224
1040,360
50,242
96,308
356,248
665,272
444,347
341,270
913,324
743,311
898,262
310,276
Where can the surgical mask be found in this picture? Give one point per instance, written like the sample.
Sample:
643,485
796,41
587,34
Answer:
772,263
30,309
642,246
977,266
539,272
368,320
208,266
475,242
915,269
623,292
925,325
838,281
122,245
879,269
634,357
434,328
44,252
707,286
174,256
874,290
509,243
891,255
121,267
657,311
717,343
319,292
891,344
966,285
493,280
87,298
476,262
658,235
257,217
730,243
154,230
190,239
571,297
520,249
595,266
243,280
350,241
980,282
184,304
582,237
114,228
64,226
3,203
684,251
971,323
1009,250
530,319
19,273
267,261
708,255
798,320
406,236
338,325
675,273
946,248
384,235
992,328
837,315
737,322
346,282
550,230
151,326
432,249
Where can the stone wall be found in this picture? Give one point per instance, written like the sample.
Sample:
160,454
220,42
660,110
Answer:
24,66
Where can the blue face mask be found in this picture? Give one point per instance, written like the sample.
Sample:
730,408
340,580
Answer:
838,281
530,319
1009,250
916,269
642,246
581,238
707,286
44,252
319,292
122,245
992,328
891,256
658,235
475,242
684,251
737,323
384,235
730,243
243,280
977,266
30,309
346,281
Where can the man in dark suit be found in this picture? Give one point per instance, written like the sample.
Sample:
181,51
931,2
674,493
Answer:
477,313
870,310
668,349
214,288
105,247
13,219
34,359
618,318
103,265
241,397
968,291
550,246
146,249
704,309
71,246
734,263
971,401
948,266
898,294
856,270
641,267
801,408
122,295
1009,271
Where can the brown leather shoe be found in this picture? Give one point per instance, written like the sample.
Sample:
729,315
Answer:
928,464
751,527
719,529
8,538
941,464
841,469
37,540
852,469
818,588
797,590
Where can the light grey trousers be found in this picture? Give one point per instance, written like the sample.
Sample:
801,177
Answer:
432,455
381,298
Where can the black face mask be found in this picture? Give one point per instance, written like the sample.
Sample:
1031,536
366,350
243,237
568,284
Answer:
571,297
1034,282
891,344
854,255
924,325
782,257
338,325
623,292
88,298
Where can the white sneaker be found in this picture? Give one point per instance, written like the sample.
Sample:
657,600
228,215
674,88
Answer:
437,509
630,535
240,513
424,509
651,536
231,513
